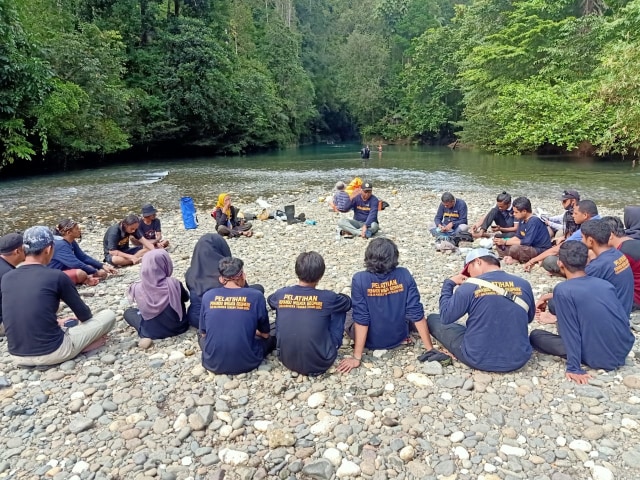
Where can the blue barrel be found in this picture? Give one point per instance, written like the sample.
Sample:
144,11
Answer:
189,216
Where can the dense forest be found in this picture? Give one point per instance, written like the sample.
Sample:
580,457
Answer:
81,78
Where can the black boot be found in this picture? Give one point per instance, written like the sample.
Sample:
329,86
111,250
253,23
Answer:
290,212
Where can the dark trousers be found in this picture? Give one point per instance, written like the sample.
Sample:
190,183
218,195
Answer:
450,336
133,318
495,215
547,342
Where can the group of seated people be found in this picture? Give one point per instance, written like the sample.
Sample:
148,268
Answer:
591,308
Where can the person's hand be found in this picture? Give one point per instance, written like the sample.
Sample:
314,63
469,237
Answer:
348,364
499,241
136,260
475,227
529,265
541,304
363,232
227,202
458,278
62,321
260,334
109,269
579,378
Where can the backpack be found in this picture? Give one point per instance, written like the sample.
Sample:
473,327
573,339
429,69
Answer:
458,237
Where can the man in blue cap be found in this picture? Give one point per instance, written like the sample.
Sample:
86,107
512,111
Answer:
499,305
30,297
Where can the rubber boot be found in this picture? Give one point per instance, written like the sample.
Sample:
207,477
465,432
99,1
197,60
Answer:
290,212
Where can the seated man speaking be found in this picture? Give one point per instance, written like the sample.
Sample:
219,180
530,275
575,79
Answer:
500,307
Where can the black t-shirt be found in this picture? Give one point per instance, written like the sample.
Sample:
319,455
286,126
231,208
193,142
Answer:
116,238
149,231
30,297
5,267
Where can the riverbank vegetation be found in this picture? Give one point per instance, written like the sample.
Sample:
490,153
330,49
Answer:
86,77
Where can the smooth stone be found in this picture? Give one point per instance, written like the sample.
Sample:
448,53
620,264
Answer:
631,458
632,381
461,453
595,432
456,437
348,469
145,343
280,438
364,414
511,450
407,453
324,426
419,379
581,445
319,470
95,411
80,425
233,457
316,400
601,473
445,468
333,455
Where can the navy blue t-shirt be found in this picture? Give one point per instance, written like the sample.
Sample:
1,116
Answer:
5,267
149,231
612,266
230,317
30,297
592,323
385,303
309,327
497,337
533,233
365,211
456,214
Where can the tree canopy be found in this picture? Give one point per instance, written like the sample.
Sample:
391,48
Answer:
87,77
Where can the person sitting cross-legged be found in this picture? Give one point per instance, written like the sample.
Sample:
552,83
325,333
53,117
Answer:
531,237
228,222
11,255
501,215
365,214
309,321
385,301
117,250
71,259
151,228
497,303
234,323
160,299
451,216
30,297
593,327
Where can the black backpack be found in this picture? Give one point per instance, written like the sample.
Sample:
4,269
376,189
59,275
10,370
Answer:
458,237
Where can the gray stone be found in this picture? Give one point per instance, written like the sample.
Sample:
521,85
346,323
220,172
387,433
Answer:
432,368
631,458
80,425
95,411
445,468
319,470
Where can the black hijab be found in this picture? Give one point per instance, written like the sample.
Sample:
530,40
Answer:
632,221
203,273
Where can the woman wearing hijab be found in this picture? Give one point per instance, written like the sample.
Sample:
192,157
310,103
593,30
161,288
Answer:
203,273
160,299
632,221
226,216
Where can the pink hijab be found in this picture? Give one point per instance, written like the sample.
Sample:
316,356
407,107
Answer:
156,289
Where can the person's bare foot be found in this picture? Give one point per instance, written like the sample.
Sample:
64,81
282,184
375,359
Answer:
447,352
95,344
145,343
508,260
92,281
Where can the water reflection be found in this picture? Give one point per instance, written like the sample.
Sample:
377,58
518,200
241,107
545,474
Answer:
110,192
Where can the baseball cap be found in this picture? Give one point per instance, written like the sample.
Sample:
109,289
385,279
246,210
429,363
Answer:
148,210
472,255
9,242
367,186
36,238
570,195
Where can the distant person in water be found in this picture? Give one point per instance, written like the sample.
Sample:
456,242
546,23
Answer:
160,299
69,257
228,223
117,250
365,152
31,297
150,228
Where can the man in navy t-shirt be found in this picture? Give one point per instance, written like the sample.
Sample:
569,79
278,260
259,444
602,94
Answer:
365,214
498,304
234,323
532,236
610,264
385,299
630,247
593,326
451,216
309,321
150,227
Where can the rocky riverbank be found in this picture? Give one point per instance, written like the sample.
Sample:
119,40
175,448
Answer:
123,412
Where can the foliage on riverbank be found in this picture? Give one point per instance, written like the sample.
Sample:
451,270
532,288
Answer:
100,76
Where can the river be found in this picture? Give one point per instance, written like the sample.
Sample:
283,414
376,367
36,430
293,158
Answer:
110,192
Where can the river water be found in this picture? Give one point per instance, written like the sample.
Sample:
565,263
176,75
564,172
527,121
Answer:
111,192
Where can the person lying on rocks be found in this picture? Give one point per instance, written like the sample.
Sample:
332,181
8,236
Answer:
593,327
501,215
228,224
385,301
151,228
583,211
365,214
203,274
11,255
531,238
451,216
71,259
631,249
497,304
117,250
30,297
234,323
160,299
309,321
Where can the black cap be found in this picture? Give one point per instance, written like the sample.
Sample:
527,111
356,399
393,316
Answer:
148,210
570,195
10,242
367,186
